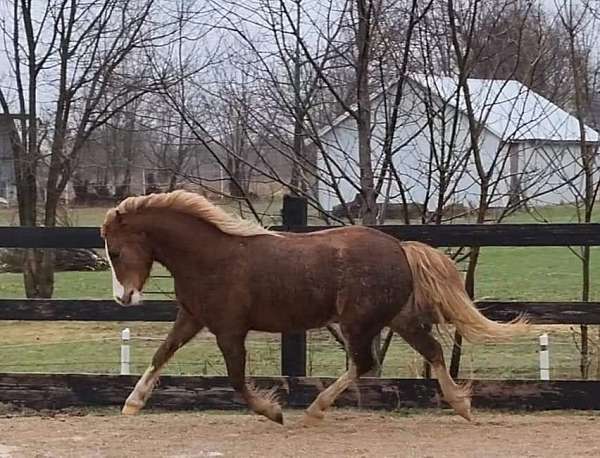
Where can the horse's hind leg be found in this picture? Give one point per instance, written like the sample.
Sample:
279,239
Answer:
183,330
316,411
234,352
362,361
420,338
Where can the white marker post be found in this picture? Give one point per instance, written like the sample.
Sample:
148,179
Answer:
544,358
125,355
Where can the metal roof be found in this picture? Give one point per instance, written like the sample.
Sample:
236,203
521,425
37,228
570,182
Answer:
510,110
507,108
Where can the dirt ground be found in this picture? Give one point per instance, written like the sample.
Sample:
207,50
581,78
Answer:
344,433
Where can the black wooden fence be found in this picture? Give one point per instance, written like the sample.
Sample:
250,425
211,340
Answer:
70,389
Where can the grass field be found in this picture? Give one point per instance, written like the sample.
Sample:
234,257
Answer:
503,273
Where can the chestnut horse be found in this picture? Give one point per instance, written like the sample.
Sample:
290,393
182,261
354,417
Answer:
233,276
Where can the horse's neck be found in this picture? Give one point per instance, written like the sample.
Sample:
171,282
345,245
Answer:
172,235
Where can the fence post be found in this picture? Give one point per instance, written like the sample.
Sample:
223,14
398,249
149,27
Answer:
293,345
544,358
125,355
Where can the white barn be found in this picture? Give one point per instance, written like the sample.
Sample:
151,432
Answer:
532,146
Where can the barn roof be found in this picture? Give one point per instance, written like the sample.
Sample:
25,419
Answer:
507,108
511,110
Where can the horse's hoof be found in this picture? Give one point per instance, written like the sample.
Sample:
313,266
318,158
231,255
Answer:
273,413
466,414
310,420
278,418
463,408
130,409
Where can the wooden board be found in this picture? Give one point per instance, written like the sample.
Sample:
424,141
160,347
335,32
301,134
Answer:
543,312
84,310
108,310
50,237
436,235
58,391
453,235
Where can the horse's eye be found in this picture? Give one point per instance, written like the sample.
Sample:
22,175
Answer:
114,255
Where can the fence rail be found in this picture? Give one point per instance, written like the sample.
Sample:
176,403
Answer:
187,392
451,235
108,310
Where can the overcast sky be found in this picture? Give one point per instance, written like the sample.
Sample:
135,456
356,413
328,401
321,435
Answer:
6,80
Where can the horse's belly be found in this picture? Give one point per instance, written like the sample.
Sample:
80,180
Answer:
293,312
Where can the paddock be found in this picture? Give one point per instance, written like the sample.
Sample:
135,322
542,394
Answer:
75,414
344,433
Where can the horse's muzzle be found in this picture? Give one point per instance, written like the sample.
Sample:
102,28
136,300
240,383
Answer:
130,298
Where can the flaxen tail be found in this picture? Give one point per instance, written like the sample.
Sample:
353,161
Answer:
438,286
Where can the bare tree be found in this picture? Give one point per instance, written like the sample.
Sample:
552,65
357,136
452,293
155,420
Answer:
471,40
78,49
577,22
521,41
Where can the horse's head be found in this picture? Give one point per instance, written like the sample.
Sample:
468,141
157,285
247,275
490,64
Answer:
130,257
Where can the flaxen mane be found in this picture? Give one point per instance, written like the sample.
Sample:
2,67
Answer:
190,204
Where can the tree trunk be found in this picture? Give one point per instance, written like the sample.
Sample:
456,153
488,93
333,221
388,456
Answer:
368,205
367,185
483,175
127,178
172,182
297,181
588,164
235,184
470,287
25,170
35,286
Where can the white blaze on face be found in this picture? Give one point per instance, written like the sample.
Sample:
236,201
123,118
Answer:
118,289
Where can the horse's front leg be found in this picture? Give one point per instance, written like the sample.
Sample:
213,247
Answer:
234,352
183,330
